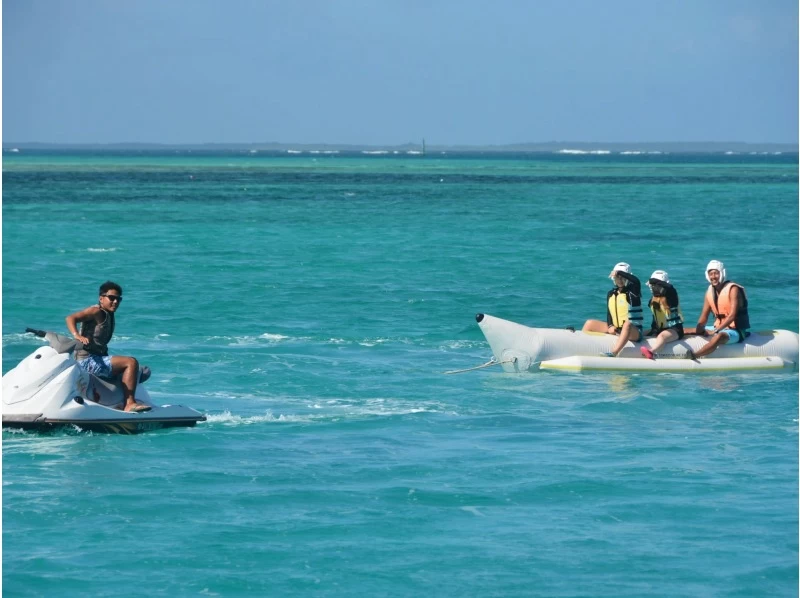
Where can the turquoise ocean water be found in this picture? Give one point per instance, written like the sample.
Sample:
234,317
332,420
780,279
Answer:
309,305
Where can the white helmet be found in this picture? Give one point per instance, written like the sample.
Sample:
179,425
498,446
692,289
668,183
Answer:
659,275
620,267
716,265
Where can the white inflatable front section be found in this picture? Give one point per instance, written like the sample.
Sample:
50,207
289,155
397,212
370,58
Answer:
521,348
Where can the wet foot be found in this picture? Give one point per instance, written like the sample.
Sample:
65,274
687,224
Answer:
137,408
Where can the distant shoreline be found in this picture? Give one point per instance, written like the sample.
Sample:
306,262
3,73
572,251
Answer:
565,147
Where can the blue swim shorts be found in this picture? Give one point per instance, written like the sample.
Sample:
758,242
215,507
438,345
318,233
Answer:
99,365
733,335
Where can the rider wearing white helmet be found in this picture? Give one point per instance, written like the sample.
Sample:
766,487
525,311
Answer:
727,300
624,309
667,317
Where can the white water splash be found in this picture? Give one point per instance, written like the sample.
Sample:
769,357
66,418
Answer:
274,337
230,419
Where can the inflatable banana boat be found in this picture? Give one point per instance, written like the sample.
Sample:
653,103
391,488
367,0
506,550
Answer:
519,348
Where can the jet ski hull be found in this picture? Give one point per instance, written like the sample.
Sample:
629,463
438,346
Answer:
39,423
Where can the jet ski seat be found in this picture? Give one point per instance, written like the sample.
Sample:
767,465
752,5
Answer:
108,391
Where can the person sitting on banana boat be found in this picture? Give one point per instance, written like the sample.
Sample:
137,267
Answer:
624,309
667,323
727,300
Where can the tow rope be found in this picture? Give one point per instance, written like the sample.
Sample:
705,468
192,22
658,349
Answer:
489,363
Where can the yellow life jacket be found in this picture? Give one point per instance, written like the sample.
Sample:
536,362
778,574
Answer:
662,317
618,308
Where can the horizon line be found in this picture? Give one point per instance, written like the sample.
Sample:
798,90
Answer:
11,144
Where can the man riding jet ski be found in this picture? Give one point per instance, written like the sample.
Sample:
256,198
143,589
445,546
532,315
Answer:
50,389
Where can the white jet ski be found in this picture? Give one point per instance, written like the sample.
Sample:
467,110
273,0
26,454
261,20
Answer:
48,389
519,348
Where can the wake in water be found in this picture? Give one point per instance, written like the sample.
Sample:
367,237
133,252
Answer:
332,411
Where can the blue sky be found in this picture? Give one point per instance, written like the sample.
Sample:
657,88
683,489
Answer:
392,71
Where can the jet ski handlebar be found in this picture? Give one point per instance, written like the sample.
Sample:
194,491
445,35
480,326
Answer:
59,342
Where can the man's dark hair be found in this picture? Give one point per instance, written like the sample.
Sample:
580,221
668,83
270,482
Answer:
108,285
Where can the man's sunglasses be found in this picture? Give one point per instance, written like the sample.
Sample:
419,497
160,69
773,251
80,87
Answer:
116,298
